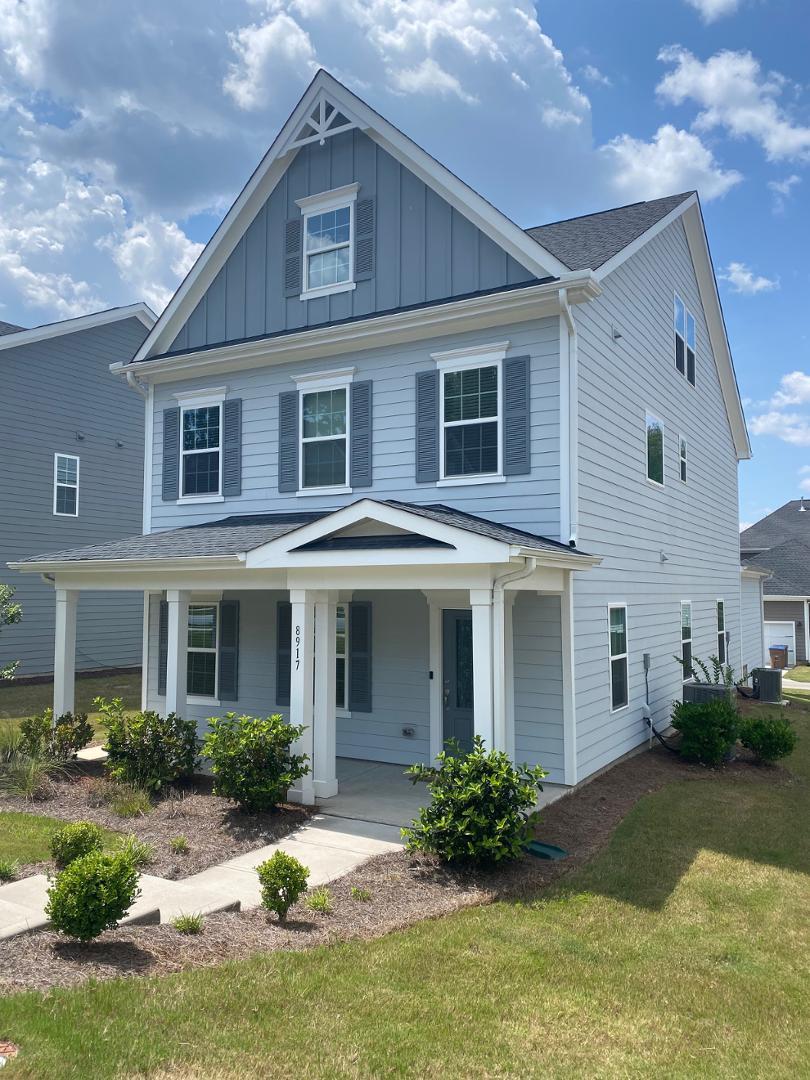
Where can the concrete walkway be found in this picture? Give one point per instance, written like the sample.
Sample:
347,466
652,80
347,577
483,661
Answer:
329,846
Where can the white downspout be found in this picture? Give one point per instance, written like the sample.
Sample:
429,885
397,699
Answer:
571,392
147,392
503,669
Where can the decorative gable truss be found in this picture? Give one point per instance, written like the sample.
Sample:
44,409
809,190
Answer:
325,119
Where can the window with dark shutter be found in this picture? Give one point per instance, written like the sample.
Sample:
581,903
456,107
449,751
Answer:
283,651
288,441
360,656
232,447
163,646
516,420
229,650
364,255
293,256
171,454
427,427
360,430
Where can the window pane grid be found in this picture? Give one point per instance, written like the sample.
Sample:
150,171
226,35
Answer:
201,666
470,408
66,485
685,340
617,622
341,682
323,437
328,248
201,449
655,450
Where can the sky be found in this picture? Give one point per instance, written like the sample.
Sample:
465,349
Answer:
126,131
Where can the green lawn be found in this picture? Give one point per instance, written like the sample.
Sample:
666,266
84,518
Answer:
26,837
799,674
681,951
18,701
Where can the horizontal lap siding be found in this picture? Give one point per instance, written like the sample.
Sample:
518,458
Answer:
538,683
751,622
628,521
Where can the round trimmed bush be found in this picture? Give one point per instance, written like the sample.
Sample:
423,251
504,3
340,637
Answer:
92,894
145,749
73,841
283,879
708,729
768,737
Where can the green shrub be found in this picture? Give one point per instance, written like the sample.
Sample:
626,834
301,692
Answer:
56,740
9,868
481,806
320,899
283,878
251,759
75,840
180,845
708,729
768,737
188,924
145,749
92,894
360,894
27,777
138,851
128,801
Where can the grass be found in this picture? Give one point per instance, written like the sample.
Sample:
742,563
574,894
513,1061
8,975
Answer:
26,838
18,701
680,951
799,674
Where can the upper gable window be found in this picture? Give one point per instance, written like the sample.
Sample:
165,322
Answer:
684,340
328,249
66,485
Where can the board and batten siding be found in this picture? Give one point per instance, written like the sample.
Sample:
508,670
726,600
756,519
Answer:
752,653
659,545
531,501
425,250
53,390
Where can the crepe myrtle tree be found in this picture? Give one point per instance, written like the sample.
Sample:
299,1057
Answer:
10,613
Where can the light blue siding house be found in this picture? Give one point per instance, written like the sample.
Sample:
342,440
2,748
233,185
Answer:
71,444
413,472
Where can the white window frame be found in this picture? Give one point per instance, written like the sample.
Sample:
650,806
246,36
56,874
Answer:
336,199
202,699
683,459
687,604
311,384
201,399
687,315
648,416
720,603
342,707
467,360
60,483
619,606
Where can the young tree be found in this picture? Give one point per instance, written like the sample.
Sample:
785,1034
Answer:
10,613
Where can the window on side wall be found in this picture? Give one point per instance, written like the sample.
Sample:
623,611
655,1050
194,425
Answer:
324,438
682,451
65,485
200,443
202,671
617,621
686,639
655,449
684,340
721,631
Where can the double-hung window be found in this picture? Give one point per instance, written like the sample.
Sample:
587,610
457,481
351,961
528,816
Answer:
655,449
202,650
324,438
686,639
341,658
328,241
617,618
682,458
471,412
684,340
66,485
721,631
201,450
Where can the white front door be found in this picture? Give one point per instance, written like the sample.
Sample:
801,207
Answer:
781,633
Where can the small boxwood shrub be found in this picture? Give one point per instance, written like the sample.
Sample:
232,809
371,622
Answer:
55,740
708,729
92,894
73,841
481,806
768,737
283,879
147,750
252,761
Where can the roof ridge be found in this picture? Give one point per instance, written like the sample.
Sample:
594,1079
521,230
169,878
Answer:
612,209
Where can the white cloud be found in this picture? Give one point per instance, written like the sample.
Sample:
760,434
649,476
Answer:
267,55
742,279
429,78
735,95
782,191
710,10
792,428
555,117
152,256
592,74
794,389
672,161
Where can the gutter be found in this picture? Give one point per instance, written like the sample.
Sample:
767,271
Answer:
182,563
502,732
572,393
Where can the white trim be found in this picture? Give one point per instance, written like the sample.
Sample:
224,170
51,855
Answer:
630,250
683,459
47,331
61,483
148,450
684,337
320,380
568,650
435,609
724,631
619,606
314,388
328,200
648,416
211,400
313,206
203,699
475,360
477,478
684,604
471,355
769,597
198,399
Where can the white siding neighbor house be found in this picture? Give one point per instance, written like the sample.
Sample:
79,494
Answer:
415,473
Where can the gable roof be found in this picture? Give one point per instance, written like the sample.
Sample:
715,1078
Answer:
9,328
789,564
19,336
591,240
786,523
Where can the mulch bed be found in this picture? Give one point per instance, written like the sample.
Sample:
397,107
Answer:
215,829
403,888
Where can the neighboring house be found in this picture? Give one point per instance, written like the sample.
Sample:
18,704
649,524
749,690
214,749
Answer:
457,476
71,443
780,543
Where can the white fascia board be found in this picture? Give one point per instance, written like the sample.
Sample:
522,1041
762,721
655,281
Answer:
788,599
202,562
139,311
748,571
622,256
479,312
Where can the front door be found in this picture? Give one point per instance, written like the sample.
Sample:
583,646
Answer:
457,676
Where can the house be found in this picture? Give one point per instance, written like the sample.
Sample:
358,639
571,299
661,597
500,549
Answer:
414,472
780,543
71,443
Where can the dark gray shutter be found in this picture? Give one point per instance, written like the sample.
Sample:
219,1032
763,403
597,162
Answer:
364,240
293,256
229,650
288,441
360,656
171,454
163,647
360,434
232,447
516,430
283,651
427,426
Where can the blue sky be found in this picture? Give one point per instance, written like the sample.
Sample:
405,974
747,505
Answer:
126,131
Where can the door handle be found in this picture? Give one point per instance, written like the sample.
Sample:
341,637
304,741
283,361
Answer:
446,693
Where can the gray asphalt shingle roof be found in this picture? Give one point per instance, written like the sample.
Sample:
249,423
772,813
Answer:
786,523
9,328
589,241
237,534
789,564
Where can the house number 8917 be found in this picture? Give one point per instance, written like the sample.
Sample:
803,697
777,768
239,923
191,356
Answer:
297,647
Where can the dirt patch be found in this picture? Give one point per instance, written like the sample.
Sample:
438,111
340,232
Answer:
215,830
402,889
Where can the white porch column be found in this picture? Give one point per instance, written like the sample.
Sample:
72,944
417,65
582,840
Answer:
503,671
569,680
301,688
324,726
435,690
177,652
481,604
64,659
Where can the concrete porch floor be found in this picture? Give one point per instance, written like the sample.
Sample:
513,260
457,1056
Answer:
375,791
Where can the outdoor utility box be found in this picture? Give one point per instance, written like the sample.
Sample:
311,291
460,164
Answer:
700,692
767,684
779,656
